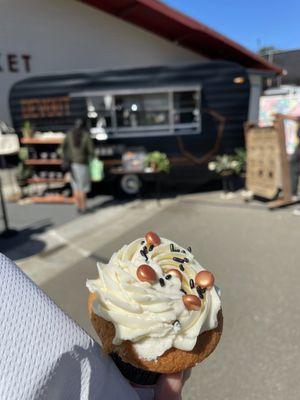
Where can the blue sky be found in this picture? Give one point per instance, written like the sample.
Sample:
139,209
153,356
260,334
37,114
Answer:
252,23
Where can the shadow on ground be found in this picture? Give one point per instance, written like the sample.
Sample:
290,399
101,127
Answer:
14,247
34,219
107,203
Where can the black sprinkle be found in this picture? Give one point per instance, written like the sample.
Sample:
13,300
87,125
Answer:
183,251
145,249
192,284
151,247
181,267
143,241
168,276
200,292
177,259
189,249
144,255
183,291
186,260
172,248
176,322
162,282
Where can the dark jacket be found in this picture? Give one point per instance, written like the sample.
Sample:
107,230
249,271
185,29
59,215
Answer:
79,155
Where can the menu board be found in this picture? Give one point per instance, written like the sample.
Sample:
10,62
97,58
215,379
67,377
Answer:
263,161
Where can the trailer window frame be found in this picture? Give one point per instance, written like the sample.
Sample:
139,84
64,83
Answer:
170,129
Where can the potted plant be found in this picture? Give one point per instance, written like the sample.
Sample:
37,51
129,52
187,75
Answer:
240,155
226,166
158,161
27,129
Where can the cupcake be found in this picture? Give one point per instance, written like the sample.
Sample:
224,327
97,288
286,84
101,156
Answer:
155,309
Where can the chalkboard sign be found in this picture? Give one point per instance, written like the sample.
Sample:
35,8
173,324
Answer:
268,169
263,161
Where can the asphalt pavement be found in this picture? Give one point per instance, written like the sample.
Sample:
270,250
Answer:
255,256
31,220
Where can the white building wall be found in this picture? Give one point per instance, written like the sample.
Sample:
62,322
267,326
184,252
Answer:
68,36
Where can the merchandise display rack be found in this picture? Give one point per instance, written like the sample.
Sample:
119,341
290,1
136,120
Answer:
47,144
43,162
39,140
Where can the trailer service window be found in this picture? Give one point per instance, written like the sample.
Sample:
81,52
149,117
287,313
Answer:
145,112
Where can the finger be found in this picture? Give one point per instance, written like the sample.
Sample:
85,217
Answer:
169,386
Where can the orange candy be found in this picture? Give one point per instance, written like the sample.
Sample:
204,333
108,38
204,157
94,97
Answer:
145,273
191,302
205,279
152,238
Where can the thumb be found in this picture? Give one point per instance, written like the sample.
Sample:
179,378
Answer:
169,386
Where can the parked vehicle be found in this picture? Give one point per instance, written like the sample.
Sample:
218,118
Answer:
189,112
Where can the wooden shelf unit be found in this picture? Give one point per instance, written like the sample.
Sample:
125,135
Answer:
46,180
43,162
51,198
41,141
59,199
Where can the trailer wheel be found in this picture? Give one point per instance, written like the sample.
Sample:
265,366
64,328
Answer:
129,185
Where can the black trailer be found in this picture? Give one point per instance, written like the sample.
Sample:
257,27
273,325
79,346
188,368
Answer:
190,112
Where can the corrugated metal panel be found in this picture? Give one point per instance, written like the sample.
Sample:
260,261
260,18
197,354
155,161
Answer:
219,93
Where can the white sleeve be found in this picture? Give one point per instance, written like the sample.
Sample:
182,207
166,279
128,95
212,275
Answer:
44,355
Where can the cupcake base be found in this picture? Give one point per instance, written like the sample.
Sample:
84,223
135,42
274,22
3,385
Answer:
133,374
173,360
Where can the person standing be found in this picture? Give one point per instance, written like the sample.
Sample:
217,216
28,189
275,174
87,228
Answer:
78,149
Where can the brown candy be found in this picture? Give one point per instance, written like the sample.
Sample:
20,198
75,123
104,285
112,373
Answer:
191,302
205,279
175,272
145,273
152,238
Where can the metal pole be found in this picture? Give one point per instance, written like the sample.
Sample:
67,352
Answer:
4,214
7,232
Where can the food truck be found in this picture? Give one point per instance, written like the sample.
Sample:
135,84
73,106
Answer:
189,112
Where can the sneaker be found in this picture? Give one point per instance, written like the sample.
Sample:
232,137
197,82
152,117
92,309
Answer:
230,195
227,196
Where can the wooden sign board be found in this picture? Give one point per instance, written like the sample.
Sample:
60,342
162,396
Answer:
267,163
263,155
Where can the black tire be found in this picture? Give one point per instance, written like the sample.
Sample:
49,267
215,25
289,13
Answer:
128,186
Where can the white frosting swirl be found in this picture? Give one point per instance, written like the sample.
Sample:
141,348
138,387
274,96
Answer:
151,316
